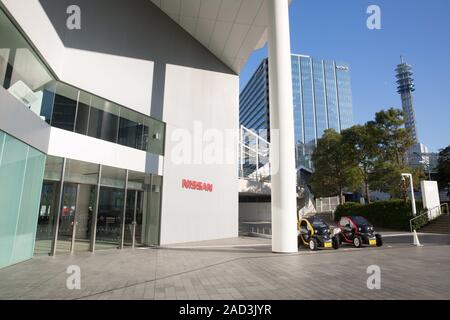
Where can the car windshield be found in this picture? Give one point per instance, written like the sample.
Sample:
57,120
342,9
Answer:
319,223
360,221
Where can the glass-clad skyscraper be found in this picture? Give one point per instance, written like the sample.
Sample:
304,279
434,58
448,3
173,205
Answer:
322,99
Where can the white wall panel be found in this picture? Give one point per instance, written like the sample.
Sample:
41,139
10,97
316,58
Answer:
124,80
189,215
83,148
18,121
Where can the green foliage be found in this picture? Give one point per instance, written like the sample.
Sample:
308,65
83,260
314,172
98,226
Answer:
335,168
361,142
393,214
393,142
421,221
443,168
373,155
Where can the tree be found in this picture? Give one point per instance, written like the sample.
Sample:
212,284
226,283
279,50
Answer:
362,143
335,168
386,177
393,143
443,168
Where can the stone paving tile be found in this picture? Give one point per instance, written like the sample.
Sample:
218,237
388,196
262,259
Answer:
214,270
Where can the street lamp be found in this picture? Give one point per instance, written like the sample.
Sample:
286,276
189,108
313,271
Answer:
413,200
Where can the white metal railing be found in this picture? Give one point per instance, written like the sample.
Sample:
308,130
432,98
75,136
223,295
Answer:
327,204
254,163
431,214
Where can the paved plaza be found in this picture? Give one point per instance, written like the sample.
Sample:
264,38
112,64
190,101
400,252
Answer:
241,268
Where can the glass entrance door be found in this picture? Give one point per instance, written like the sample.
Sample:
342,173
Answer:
130,213
48,212
67,218
133,219
85,207
139,214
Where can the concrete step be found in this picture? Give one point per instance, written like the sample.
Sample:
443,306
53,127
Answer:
440,225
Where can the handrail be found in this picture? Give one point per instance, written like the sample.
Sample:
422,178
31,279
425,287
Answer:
426,213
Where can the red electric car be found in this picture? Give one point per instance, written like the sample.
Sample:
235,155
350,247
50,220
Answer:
358,231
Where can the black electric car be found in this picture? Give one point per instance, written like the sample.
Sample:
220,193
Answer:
315,233
358,231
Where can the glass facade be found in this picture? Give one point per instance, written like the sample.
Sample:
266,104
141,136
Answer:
21,72
254,99
345,95
97,207
332,95
77,111
62,106
297,100
322,99
21,176
51,205
309,117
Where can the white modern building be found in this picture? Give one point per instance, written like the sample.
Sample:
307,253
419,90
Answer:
105,110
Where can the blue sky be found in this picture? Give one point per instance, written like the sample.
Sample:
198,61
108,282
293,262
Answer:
417,29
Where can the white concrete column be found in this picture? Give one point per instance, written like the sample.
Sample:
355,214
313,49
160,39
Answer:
282,155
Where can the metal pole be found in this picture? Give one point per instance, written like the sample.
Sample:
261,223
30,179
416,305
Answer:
257,159
95,213
58,216
75,222
413,199
242,152
124,210
134,219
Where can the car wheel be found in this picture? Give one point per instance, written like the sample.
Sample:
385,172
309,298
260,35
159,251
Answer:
313,244
357,242
379,240
336,243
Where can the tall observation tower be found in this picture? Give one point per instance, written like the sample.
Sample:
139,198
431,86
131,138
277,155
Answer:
405,88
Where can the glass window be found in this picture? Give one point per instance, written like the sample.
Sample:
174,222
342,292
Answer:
131,128
154,136
153,219
67,218
135,211
110,208
65,107
21,173
12,168
104,120
21,72
47,103
345,95
81,172
319,98
332,103
82,121
84,176
308,100
113,177
48,210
